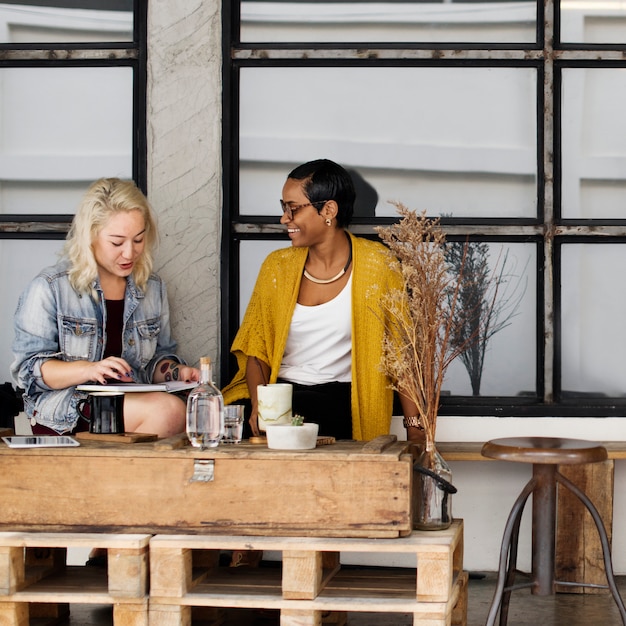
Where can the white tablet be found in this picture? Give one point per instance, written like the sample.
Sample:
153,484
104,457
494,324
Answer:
40,441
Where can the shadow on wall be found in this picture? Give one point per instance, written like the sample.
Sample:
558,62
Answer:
366,196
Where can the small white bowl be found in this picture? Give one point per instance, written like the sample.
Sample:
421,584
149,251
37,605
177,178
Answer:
288,437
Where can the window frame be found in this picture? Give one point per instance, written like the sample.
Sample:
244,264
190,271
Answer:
548,231
131,54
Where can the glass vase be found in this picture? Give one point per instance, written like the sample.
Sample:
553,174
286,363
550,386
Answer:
432,491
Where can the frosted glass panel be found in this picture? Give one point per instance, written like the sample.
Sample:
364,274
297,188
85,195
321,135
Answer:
24,23
593,22
509,354
448,140
509,365
592,312
62,128
252,254
593,147
487,21
14,276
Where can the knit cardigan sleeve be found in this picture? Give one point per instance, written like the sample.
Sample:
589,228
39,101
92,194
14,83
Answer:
376,272
265,326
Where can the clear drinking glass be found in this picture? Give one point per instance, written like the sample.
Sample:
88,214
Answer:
233,423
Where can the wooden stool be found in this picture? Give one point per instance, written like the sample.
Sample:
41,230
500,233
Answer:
545,453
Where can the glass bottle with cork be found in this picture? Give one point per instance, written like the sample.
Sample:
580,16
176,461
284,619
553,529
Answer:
205,410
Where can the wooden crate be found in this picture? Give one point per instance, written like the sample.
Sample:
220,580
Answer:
311,581
347,489
33,572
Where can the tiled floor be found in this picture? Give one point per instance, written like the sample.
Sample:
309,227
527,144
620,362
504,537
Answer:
525,610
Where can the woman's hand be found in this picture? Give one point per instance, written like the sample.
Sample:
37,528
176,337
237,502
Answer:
113,367
257,373
254,422
167,371
62,374
188,374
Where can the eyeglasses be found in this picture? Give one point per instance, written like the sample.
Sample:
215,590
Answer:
289,209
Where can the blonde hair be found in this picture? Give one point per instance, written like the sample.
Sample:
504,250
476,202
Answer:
104,198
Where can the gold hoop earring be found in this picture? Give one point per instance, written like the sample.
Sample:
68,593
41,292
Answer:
329,222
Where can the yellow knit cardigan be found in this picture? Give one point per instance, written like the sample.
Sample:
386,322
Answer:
263,332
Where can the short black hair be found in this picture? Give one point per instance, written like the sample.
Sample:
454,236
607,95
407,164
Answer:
326,180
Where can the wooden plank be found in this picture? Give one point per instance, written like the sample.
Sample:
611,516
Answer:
168,615
120,438
250,581
14,614
324,602
381,582
12,572
295,617
461,451
130,614
444,541
176,442
170,571
419,619
25,539
615,449
376,446
579,556
457,554
74,584
459,612
302,574
127,572
435,576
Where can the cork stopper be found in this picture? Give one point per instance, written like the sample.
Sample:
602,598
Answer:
205,360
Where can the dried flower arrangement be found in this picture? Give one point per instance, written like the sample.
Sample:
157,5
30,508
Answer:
421,320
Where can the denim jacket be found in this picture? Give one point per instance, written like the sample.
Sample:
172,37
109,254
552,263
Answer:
52,320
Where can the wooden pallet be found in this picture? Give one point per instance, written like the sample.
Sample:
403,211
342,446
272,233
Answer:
311,582
35,580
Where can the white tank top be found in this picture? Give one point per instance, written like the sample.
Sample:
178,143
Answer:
319,345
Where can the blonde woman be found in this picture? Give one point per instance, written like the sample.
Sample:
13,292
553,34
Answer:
100,315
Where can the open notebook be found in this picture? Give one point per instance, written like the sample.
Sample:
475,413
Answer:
170,387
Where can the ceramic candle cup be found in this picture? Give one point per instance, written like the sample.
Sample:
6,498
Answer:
274,404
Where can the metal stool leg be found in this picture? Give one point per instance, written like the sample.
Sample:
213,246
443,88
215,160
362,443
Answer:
544,529
511,571
606,548
512,522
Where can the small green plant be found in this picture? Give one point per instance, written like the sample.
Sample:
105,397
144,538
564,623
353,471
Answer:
297,420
